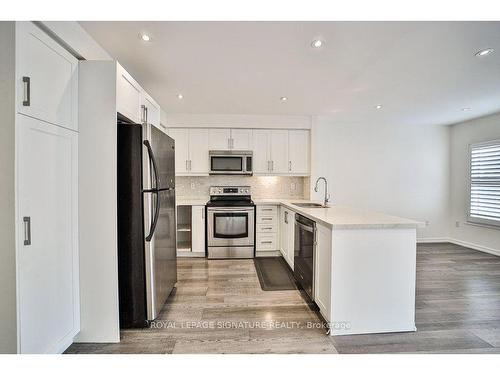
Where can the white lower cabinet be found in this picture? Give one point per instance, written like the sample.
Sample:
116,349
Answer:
287,235
47,244
322,270
267,228
198,229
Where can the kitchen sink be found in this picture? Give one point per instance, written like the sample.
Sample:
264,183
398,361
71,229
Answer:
309,205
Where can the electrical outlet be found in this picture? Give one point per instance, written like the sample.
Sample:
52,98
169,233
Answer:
457,224
193,186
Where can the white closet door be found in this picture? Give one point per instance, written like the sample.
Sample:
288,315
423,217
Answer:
47,258
279,151
198,151
181,137
241,139
47,78
218,139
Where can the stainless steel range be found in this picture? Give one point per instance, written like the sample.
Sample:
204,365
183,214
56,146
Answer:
230,222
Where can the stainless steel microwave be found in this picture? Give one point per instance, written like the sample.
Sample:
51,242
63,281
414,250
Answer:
231,162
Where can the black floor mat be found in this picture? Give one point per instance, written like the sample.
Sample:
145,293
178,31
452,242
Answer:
274,273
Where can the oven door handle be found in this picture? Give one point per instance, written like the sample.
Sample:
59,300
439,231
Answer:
226,210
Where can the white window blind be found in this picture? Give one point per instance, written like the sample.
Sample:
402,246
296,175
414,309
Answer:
485,183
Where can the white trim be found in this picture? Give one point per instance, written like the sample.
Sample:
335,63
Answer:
471,245
454,241
433,240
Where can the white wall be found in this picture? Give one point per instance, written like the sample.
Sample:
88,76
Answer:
399,170
235,121
8,317
479,130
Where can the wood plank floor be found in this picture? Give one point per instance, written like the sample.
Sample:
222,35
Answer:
219,307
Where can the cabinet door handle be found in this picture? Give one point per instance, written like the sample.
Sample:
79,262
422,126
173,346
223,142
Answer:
27,91
267,209
272,165
187,165
27,230
267,218
267,228
286,217
190,165
266,241
290,166
146,115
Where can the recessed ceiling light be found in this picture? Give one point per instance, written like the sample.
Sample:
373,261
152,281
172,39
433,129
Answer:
145,37
180,96
317,43
283,98
378,106
466,109
485,52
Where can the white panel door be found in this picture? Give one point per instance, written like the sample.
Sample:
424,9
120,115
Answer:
198,229
261,159
47,252
322,270
218,139
299,152
241,139
198,151
47,78
128,95
279,151
181,137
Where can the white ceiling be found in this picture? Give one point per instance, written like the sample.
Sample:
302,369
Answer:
421,72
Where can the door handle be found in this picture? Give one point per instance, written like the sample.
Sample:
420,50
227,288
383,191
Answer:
290,166
146,115
143,112
286,217
266,241
187,165
190,165
27,230
27,91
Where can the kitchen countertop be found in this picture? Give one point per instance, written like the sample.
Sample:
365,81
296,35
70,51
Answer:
191,201
338,217
335,217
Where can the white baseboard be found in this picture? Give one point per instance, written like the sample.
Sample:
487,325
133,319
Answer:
433,240
470,245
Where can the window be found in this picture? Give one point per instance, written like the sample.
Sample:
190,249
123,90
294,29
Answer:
485,183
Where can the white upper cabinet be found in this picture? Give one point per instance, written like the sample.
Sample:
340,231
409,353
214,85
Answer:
261,157
150,110
219,139
47,78
241,139
299,152
230,139
128,95
279,151
181,137
198,151
191,151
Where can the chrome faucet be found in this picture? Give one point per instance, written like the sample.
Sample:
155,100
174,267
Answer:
327,196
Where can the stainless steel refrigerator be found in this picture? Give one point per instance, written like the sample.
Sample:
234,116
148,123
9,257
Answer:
147,264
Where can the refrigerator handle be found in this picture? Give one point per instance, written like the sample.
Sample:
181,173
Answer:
155,217
153,163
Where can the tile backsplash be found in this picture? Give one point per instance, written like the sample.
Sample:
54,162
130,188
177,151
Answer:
262,186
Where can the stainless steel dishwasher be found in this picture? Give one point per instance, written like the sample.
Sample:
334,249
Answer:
304,253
